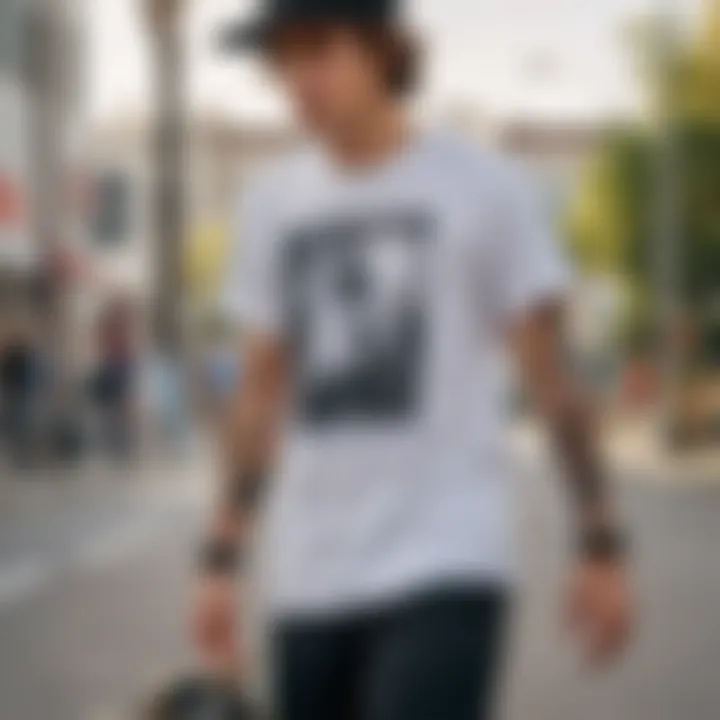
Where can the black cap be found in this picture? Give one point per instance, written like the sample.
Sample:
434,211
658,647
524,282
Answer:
276,14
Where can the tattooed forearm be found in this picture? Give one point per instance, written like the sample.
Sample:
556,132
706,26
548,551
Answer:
560,398
245,492
247,450
575,442
224,550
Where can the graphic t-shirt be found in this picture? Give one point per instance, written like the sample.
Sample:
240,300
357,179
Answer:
392,291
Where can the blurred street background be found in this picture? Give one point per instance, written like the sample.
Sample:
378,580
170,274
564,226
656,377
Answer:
124,139
94,596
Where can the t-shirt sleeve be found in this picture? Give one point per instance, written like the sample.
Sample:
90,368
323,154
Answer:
531,267
251,288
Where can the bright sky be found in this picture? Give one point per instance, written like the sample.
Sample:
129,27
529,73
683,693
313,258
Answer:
552,58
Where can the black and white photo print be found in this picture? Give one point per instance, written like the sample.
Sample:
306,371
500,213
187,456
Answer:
355,299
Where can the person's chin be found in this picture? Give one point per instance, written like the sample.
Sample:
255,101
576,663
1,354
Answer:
317,123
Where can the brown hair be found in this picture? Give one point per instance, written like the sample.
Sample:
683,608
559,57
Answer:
399,55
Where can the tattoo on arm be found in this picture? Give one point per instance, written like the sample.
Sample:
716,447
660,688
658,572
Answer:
225,553
571,421
246,492
549,371
248,441
573,439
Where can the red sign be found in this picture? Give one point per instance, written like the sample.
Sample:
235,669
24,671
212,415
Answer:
11,204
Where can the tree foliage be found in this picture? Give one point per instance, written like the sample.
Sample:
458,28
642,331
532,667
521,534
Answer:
610,223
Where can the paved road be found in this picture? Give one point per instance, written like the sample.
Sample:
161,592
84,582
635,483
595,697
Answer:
92,600
92,582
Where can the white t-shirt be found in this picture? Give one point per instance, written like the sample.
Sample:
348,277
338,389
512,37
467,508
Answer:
392,290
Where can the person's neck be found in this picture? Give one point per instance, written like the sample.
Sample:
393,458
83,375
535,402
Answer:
372,140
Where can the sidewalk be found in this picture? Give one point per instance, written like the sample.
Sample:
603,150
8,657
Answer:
41,490
634,447
635,454
58,527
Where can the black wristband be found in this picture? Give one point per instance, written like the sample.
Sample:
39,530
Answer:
602,544
220,557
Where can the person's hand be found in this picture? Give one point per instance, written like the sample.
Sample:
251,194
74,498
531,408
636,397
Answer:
600,608
215,623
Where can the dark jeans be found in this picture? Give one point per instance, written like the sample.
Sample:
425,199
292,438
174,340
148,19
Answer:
112,389
18,428
115,432
435,657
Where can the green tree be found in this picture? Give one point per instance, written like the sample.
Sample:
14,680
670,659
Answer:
610,223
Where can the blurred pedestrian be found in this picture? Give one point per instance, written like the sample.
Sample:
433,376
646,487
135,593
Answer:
384,274
220,371
20,380
113,379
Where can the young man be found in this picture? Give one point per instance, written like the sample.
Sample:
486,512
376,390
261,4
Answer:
382,275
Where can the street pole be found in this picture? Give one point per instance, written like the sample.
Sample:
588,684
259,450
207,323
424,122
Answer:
667,226
167,311
45,69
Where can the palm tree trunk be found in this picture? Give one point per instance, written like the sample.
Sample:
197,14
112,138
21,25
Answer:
168,142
